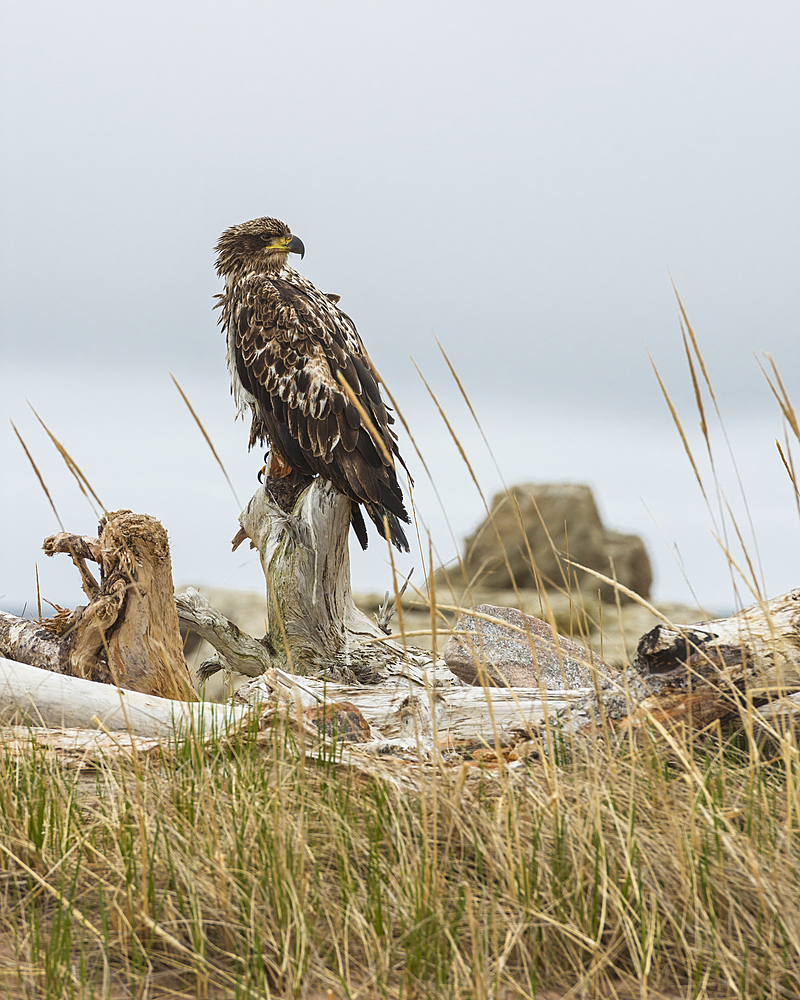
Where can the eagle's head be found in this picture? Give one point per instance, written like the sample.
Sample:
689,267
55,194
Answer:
258,245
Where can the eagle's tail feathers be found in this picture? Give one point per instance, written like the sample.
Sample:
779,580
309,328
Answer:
357,521
384,494
396,534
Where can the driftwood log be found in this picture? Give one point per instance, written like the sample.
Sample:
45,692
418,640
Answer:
128,634
695,690
689,676
682,677
42,698
422,717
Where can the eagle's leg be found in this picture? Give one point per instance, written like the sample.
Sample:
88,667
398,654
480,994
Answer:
286,487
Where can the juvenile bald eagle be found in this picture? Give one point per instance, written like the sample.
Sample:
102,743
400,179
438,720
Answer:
290,348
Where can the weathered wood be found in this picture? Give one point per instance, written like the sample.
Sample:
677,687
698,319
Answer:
414,712
684,676
75,747
758,648
398,714
28,642
49,699
692,675
128,633
237,651
417,716
778,719
313,623
240,653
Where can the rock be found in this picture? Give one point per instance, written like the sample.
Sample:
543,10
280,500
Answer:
508,653
628,555
538,524
340,720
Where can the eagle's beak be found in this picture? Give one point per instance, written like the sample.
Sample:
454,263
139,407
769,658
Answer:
295,245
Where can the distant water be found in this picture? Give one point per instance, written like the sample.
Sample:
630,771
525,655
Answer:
144,452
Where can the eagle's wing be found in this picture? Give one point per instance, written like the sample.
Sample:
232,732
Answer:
291,347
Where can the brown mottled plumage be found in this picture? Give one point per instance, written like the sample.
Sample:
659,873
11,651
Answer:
288,346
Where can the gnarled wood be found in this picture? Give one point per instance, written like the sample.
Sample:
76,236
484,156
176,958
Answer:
683,677
758,648
691,675
236,650
128,633
423,716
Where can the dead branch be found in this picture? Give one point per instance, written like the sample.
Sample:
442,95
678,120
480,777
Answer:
237,651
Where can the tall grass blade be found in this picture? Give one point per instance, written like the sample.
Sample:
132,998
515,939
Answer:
679,426
199,423
39,477
83,483
688,329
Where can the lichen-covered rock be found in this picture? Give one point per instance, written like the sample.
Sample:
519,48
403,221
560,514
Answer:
503,647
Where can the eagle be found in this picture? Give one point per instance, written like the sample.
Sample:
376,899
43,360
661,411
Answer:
297,363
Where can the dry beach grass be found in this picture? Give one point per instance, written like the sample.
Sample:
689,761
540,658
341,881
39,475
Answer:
248,869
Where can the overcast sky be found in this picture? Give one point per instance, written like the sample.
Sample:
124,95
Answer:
518,180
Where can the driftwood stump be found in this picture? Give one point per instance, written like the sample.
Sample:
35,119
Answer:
128,634
313,624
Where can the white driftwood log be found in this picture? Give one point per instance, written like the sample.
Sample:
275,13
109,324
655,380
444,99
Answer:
412,715
399,714
76,747
684,676
56,700
705,670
